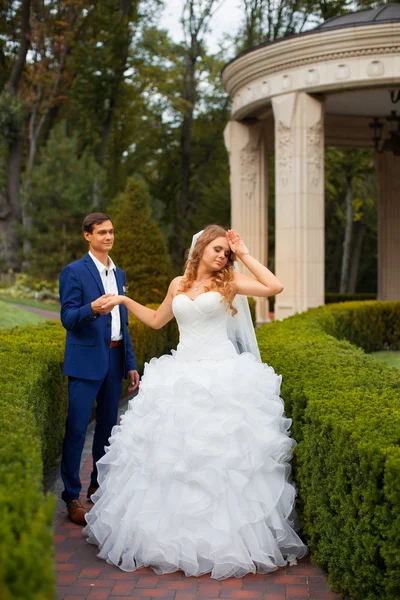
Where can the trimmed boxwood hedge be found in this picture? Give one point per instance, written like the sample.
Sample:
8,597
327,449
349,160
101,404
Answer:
345,407
33,408
32,415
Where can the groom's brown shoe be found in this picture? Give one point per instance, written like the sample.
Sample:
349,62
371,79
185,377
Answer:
91,490
76,512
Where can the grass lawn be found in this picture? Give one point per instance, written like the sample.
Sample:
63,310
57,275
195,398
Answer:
10,316
390,357
51,306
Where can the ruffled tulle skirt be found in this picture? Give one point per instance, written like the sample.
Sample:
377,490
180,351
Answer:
197,476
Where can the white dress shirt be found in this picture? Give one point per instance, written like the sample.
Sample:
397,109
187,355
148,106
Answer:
109,282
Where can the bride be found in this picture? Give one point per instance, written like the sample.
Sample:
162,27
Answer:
196,477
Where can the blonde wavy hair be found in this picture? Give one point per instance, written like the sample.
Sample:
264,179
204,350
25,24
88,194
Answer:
222,279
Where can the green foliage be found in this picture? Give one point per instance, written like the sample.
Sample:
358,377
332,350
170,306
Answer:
26,555
346,418
26,286
357,165
32,378
370,325
33,406
12,117
139,247
267,20
59,197
98,63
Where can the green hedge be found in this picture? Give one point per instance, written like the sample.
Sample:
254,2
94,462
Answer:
32,415
334,297
345,407
346,417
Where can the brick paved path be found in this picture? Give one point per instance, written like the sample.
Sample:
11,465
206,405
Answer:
80,575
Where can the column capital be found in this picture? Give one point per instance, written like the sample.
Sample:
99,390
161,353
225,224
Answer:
237,135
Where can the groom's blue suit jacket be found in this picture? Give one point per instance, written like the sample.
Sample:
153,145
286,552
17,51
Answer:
87,346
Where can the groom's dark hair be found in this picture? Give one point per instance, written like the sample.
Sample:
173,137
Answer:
96,218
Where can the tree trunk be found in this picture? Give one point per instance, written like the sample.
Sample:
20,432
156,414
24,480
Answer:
9,201
195,19
189,93
10,213
344,278
16,72
359,231
125,6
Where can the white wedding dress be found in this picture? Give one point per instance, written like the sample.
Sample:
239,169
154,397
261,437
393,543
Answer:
196,477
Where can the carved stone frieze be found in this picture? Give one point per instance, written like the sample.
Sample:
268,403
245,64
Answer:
249,169
315,149
315,57
285,66
284,152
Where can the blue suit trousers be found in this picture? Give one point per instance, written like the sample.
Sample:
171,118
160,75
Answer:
82,394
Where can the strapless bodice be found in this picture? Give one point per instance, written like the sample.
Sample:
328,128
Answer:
202,327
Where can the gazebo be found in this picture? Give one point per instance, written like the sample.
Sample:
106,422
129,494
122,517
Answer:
338,85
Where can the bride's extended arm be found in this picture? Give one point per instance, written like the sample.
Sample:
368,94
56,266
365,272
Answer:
265,283
153,318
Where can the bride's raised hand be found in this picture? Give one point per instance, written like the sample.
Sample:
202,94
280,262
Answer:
236,244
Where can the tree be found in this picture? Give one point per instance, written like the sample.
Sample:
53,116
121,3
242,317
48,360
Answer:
55,26
268,20
157,126
12,115
139,248
102,67
195,21
76,71
60,197
350,215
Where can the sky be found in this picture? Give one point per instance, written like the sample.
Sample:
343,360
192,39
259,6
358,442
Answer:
225,21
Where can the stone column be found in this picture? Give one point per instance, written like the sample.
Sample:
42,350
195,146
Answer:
248,177
299,201
387,170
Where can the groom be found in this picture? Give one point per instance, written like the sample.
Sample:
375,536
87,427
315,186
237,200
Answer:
98,354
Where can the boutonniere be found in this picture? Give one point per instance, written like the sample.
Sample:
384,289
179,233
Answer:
125,288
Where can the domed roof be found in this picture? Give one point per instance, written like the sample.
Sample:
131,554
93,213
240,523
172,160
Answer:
386,13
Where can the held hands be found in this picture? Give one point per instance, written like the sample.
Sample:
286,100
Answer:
110,302
97,305
236,244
